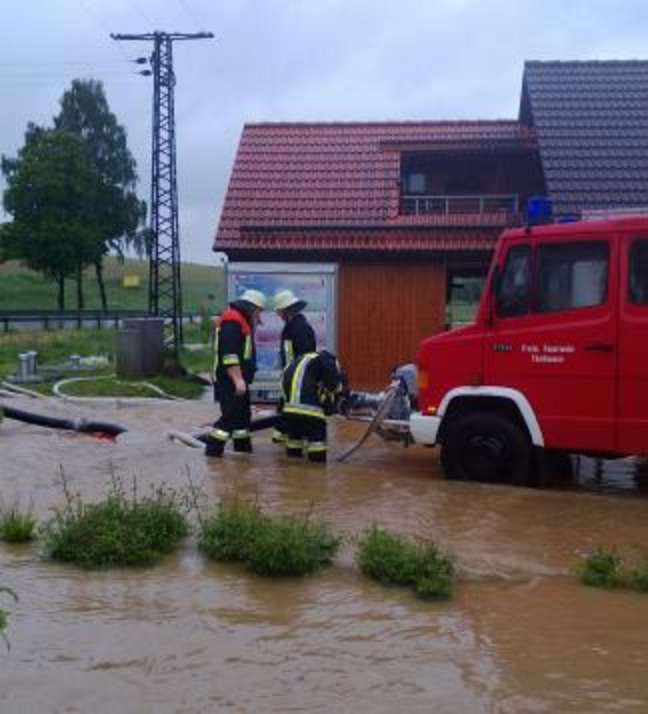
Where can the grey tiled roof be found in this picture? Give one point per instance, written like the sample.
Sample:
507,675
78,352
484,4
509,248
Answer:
591,120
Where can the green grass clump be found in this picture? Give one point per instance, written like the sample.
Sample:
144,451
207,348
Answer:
288,546
391,559
605,568
16,526
602,569
435,573
228,534
272,546
118,531
386,557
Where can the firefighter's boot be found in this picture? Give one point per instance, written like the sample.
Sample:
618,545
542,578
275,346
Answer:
278,437
215,443
294,448
214,447
316,452
242,441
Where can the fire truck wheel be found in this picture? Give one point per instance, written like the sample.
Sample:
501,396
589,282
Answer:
553,468
486,446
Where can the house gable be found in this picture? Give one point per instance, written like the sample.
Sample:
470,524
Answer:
591,121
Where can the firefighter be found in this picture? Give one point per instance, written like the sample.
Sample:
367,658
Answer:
310,384
297,338
234,368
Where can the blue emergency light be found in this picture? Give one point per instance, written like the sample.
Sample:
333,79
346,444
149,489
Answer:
539,210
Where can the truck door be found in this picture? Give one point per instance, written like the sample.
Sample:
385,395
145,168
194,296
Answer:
554,337
633,347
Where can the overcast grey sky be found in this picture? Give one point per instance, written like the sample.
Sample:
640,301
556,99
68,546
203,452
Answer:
291,60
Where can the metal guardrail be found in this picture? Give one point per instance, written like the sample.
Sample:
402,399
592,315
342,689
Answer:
23,320
449,205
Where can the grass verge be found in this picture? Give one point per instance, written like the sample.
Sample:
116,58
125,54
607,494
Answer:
55,348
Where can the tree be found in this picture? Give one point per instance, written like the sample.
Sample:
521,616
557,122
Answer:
52,190
85,112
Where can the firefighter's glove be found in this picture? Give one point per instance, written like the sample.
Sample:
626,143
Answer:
328,403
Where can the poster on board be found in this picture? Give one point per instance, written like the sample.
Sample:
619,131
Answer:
314,283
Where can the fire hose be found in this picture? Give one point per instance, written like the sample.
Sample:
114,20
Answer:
84,426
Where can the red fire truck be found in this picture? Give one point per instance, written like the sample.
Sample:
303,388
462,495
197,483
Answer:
556,360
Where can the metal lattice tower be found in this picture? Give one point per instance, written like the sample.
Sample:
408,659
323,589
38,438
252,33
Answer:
165,285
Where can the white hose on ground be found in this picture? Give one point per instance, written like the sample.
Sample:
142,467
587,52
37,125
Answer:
21,390
7,393
166,398
182,436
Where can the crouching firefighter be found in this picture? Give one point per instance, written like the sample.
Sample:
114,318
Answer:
234,368
297,338
310,384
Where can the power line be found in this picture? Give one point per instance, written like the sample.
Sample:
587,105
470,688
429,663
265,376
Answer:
91,11
132,5
189,12
52,63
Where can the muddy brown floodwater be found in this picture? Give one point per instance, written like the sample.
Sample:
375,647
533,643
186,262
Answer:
521,635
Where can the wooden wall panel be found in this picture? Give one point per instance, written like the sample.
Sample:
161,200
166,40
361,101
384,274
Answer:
384,311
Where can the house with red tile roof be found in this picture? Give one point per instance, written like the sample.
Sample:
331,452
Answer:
403,209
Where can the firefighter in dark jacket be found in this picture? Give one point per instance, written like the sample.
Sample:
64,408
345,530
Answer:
310,386
297,338
234,368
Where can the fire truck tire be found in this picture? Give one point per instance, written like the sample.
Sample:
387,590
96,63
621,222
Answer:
553,468
486,446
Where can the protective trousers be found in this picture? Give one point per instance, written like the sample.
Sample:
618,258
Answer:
305,435
233,423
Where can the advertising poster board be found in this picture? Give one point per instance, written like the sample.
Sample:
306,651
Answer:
313,282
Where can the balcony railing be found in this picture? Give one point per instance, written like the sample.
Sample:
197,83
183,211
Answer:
482,204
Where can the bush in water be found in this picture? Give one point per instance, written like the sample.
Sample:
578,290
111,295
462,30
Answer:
275,546
16,526
435,573
386,557
601,569
122,530
391,559
291,546
227,535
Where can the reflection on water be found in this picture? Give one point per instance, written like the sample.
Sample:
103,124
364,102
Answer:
192,636
611,476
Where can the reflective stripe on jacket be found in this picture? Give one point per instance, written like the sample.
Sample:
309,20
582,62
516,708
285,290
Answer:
300,389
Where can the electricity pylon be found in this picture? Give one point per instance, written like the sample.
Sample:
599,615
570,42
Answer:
165,284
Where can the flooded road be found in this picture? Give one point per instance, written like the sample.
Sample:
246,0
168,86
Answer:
521,635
